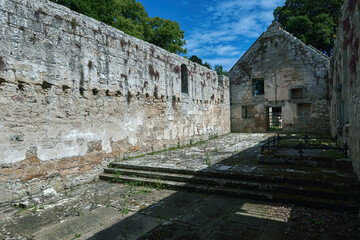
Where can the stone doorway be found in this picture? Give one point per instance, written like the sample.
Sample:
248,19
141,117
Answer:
275,118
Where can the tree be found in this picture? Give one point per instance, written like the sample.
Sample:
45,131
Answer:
130,16
206,64
101,10
166,34
220,70
313,22
198,60
195,59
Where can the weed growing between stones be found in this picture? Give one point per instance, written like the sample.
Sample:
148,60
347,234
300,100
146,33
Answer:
207,159
116,179
108,201
158,185
77,235
34,209
125,211
69,194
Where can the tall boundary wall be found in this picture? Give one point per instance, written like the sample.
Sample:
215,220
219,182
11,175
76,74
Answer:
345,81
76,93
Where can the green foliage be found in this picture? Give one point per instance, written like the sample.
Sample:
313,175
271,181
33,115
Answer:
313,22
198,60
130,17
220,70
207,159
206,64
125,211
77,235
166,34
101,10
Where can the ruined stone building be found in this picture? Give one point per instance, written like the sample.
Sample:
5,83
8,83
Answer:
280,83
76,93
345,82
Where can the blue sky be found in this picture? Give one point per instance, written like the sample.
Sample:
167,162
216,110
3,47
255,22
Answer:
217,31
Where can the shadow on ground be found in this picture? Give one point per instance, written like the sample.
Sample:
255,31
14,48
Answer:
112,211
189,215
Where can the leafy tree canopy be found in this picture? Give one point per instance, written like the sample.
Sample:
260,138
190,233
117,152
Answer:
220,70
195,59
130,16
206,64
313,22
198,60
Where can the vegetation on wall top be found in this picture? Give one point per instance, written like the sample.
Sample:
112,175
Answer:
130,17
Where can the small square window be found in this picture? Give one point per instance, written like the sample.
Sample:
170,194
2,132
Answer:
258,87
297,93
247,112
304,110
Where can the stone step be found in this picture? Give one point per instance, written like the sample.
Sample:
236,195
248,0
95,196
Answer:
305,190
241,193
298,176
337,164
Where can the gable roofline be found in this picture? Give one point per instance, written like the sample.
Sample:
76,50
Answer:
276,26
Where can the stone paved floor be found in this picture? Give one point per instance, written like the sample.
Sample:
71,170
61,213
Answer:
114,211
209,155
104,210
232,153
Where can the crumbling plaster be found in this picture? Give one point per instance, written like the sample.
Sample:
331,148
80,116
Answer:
76,94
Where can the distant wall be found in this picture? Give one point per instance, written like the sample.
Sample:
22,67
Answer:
75,93
345,81
294,78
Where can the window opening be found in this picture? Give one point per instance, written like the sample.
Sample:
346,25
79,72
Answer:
297,93
184,79
259,87
247,112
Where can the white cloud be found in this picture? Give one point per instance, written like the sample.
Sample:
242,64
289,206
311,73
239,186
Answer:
224,29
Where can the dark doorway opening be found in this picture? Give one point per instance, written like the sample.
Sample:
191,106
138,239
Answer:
275,118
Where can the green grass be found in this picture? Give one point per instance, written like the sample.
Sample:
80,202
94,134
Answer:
274,128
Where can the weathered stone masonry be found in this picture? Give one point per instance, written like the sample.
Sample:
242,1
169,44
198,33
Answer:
345,81
74,93
294,81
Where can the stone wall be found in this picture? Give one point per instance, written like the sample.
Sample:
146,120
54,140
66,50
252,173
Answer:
75,94
345,81
294,77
